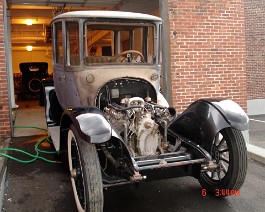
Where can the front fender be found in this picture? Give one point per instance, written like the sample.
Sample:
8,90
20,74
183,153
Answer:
89,122
233,113
204,118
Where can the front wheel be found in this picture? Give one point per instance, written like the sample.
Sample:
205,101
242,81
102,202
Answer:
85,173
229,152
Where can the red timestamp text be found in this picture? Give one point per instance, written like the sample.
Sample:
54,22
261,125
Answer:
222,192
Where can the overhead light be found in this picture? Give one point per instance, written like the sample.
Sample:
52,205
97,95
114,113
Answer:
29,22
29,48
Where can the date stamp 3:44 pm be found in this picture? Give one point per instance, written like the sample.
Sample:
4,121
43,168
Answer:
222,192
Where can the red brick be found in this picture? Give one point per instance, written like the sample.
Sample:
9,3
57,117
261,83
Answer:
5,130
255,42
207,51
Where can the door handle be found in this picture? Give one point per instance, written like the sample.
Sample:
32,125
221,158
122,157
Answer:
61,78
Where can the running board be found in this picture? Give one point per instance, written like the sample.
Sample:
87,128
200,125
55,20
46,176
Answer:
165,161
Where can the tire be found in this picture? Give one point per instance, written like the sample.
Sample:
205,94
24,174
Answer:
34,85
85,173
229,151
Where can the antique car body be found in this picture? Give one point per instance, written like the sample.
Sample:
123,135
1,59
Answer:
112,126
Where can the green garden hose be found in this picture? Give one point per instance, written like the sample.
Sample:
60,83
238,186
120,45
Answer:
37,150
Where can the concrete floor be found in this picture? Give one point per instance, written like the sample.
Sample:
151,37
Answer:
46,187
257,131
29,113
39,186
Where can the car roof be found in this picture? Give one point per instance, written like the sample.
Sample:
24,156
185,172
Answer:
108,14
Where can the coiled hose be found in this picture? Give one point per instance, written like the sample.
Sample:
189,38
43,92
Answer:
37,150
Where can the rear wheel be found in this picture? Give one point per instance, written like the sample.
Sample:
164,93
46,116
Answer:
85,173
229,152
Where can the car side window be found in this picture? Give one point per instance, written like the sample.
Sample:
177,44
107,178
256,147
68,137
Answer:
58,42
72,43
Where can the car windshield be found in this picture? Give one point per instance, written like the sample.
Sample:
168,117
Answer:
119,43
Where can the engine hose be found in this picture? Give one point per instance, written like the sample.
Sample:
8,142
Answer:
37,150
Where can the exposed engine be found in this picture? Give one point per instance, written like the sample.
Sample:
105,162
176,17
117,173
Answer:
142,125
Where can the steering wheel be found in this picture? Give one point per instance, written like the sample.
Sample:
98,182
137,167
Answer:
128,52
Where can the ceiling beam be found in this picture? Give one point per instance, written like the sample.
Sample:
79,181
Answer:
97,37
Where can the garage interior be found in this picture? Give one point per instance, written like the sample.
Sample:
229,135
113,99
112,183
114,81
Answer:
30,39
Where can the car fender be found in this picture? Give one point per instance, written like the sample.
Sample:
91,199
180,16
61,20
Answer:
204,118
89,122
93,127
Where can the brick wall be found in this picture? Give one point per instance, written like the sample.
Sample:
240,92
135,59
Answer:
255,42
4,107
207,50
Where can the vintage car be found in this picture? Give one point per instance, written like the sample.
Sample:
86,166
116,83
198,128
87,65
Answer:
112,126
